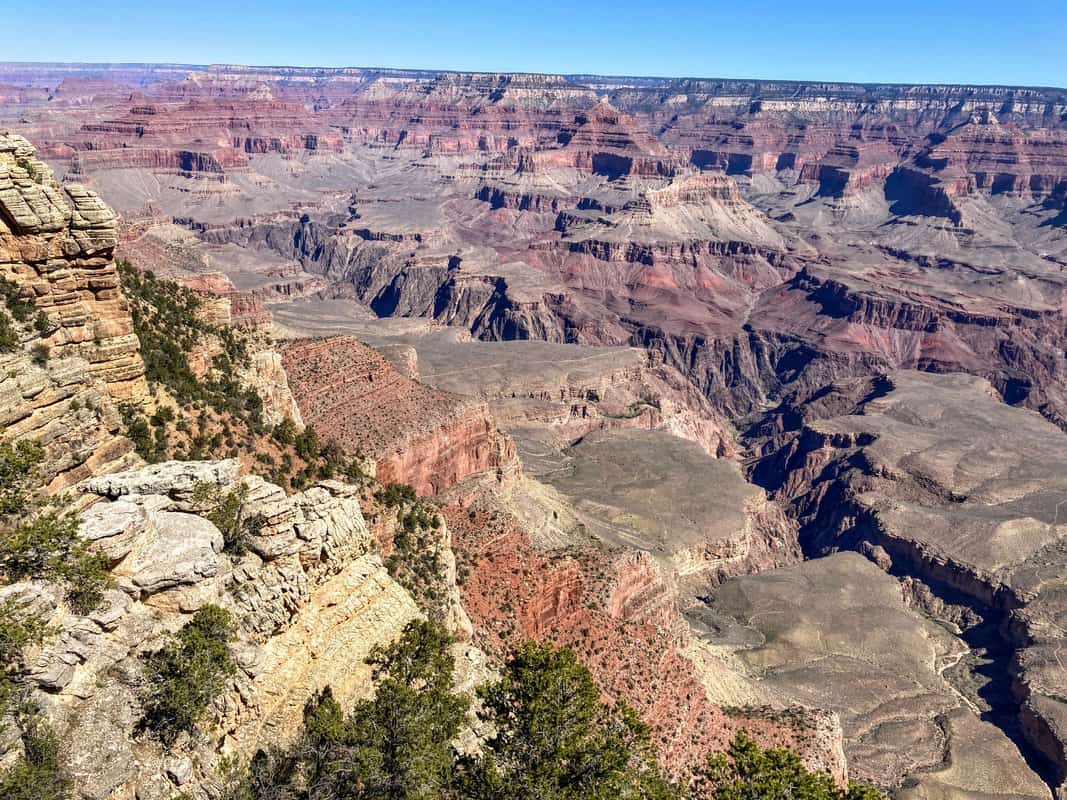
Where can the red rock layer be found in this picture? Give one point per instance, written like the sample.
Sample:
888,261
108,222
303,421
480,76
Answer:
240,309
417,435
615,612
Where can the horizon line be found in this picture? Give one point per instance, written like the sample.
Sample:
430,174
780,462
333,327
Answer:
569,75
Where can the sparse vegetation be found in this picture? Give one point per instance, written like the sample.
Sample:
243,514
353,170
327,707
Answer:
20,306
392,495
215,416
40,542
40,354
416,560
37,542
556,739
184,676
9,336
748,772
17,309
38,773
226,509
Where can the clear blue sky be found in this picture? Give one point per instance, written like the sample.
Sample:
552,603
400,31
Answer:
974,41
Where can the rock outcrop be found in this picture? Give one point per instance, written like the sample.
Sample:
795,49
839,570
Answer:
310,599
415,435
57,243
61,386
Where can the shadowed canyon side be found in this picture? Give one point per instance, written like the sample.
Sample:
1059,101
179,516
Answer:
935,480
751,393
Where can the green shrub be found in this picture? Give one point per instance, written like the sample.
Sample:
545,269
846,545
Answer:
748,772
18,629
38,774
37,542
40,353
9,336
19,305
150,445
184,676
19,464
397,745
284,432
226,509
556,739
396,494
46,546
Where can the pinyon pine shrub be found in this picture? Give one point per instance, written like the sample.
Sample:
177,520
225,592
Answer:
184,676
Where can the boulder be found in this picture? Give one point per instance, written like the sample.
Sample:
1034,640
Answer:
174,479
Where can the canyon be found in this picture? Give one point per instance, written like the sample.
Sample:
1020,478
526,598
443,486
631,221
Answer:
753,393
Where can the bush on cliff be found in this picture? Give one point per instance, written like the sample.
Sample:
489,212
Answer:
38,773
184,676
21,306
393,495
396,746
38,542
556,739
16,308
9,336
415,562
226,509
748,772
18,630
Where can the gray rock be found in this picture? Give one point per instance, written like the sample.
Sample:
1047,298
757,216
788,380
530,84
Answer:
178,549
171,478
180,770
114,527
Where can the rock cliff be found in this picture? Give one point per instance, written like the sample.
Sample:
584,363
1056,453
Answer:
935,480
310,598
62,382
415,435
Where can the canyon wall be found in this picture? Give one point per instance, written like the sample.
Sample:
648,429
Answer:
414,434
936,481
310,599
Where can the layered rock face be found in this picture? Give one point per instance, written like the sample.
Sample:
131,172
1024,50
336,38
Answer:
641,256
310,600
235,309
568,390
58,242
56,248
602,214
933,478
415,435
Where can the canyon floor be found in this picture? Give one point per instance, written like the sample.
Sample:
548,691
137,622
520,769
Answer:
771,374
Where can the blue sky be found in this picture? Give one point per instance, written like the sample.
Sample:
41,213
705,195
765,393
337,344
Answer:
980,41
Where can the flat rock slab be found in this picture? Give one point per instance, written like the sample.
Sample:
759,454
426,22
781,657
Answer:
835,633
650,490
